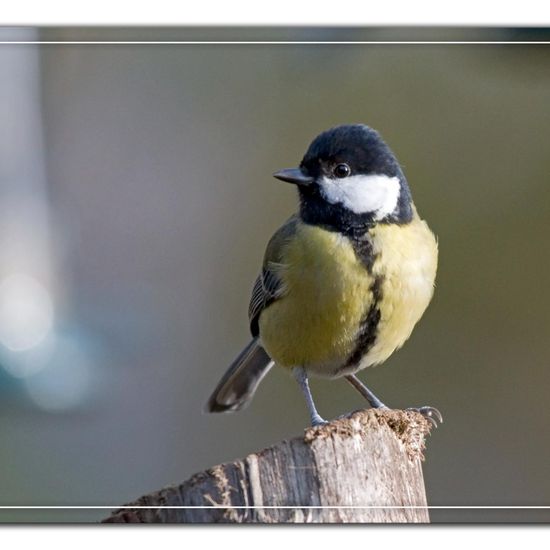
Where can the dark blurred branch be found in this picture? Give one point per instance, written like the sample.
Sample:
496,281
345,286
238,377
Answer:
372,458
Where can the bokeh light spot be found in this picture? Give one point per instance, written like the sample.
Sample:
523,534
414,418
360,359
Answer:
26,312
28,362
65,382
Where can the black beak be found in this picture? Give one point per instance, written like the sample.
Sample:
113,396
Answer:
293,175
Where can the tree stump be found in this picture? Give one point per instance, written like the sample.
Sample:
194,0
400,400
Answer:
364,468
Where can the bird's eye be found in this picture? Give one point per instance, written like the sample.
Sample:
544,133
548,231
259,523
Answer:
342,170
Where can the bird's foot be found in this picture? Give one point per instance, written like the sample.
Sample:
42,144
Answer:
351,413
429,413
347,415
317,420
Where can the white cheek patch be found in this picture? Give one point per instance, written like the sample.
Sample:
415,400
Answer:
361,194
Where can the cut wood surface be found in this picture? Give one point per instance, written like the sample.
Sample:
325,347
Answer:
362,468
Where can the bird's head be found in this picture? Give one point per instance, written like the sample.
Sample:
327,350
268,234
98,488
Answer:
349,180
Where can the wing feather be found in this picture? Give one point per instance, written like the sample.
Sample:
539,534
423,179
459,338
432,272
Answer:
269,286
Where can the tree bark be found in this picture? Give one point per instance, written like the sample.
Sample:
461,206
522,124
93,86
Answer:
365,468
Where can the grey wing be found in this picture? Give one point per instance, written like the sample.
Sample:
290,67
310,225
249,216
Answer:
267,288
269,285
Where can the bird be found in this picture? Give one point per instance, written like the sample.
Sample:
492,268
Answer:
344,280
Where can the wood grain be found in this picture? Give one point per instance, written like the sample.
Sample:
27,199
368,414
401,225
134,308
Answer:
364,468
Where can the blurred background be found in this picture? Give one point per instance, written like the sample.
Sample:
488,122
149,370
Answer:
136,200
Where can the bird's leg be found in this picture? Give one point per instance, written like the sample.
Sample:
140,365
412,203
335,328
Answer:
374,402
430,413
301,377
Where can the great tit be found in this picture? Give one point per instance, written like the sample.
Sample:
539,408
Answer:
344,280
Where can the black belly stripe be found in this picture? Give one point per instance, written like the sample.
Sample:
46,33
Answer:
362,245
368,329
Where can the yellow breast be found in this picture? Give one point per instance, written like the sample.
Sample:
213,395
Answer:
407,262
315,324
329,292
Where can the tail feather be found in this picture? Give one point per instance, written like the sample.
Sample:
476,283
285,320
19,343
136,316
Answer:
237,386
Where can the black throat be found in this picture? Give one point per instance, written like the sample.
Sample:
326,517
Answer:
316,210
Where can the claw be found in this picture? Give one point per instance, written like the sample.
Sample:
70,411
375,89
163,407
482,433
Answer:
429,413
